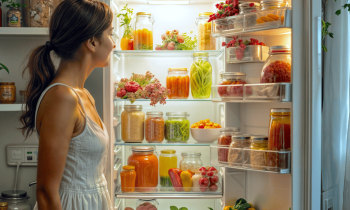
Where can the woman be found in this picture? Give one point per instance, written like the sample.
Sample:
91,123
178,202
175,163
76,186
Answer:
72,138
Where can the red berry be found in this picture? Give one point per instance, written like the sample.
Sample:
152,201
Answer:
212,169
203,182
210,173
214,179
202,168
204,173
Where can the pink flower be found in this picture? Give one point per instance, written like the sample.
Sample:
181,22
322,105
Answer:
242,46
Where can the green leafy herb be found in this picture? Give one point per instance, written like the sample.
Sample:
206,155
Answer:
173,208
188,44
325,32
210,208
12,3
126,20
183,208
2,66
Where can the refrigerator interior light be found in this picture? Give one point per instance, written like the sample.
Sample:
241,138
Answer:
168,2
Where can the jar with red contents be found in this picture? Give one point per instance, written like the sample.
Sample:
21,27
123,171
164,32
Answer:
277,67
235,82
224,142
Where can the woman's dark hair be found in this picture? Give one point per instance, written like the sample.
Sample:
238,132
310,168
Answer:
72,23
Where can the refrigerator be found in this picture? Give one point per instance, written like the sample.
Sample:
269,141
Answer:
298,188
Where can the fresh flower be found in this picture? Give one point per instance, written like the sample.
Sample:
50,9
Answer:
229,8
172,40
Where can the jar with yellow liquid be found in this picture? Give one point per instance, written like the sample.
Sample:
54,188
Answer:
167,160
143,33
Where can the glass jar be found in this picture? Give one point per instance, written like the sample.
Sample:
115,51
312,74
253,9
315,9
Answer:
273,4
235,154
167,160
232,78
277,67
191,161
224,142
279,139
201,76
178,82
127,42
257,155
128,178
132,123
177,127
3,205
205,40
16,200
7,92
148,203
143,33
14,17
146,167
154,127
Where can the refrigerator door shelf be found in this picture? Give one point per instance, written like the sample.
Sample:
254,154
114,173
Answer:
164,53
168,100
266,22
164,143
252,93
268,161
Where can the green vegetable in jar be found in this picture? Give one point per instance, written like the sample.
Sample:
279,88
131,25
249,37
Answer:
201,79
177,130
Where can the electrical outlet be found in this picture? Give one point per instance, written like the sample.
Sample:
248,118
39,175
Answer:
26,154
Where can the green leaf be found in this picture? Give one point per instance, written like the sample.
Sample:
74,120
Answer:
338,12
183,208
173,208
324,48
331,35
210,208
4,67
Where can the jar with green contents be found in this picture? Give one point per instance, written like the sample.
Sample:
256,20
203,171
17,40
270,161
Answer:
167,160
177,127
201,76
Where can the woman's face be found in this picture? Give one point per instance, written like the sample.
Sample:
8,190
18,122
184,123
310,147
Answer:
104,48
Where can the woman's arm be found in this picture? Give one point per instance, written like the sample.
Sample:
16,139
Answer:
58,115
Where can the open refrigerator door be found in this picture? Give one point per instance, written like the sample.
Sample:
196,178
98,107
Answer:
244,105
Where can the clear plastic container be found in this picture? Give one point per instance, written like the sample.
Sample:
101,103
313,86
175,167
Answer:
191,161
201,76
224,142
148,203
252,53
235,154
248,8
154,127
205,40
257,155
273,4
177,127
236,80
178,82
132,120
146,167
279,138
277,67
143,34
167,160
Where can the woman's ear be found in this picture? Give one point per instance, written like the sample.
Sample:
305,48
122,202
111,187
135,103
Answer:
91,44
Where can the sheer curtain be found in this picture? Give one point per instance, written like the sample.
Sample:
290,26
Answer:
335,113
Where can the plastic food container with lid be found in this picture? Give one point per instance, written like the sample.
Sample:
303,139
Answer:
252,53
255,157
235,154
277,67
146,166
248,9
205,40
167,160
16,199
224,142
132,123
154,127
191,161
178,82
231,84
177,127
201,76
143,33
273,4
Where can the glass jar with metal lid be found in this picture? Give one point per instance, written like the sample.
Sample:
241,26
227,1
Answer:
201,76
148,203
178,82
16,199
146,166
205,40
277,67
177,127
154,126
273,4
191,161
132,123
143,33
232,78
235,154
224,142
128,178
7,92
167,160
257,156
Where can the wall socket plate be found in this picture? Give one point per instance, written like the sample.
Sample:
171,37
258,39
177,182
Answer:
26,154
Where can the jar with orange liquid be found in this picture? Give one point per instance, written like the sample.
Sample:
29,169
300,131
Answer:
178,82
143,33
146,167
127,42
279,139
128,178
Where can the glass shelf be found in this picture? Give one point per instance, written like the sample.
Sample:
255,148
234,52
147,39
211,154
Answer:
191,99
164,143
164,53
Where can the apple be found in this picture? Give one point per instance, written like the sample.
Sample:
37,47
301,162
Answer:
203,182
213,187
214,179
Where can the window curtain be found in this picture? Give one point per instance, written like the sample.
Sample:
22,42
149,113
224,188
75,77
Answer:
335,110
